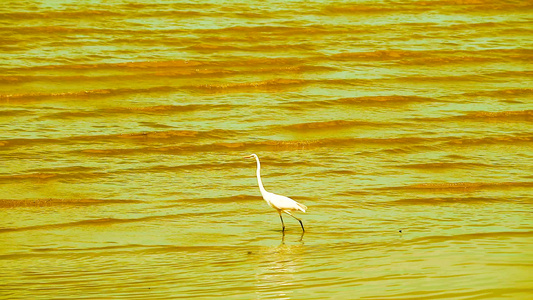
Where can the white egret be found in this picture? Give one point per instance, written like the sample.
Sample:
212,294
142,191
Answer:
278,202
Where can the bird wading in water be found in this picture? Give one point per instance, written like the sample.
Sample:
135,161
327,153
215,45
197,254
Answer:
278,202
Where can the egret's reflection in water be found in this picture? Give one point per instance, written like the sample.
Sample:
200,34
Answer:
275,275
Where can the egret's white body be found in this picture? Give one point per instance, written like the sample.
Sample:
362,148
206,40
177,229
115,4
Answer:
278,202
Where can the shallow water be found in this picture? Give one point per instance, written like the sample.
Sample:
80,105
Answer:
123,126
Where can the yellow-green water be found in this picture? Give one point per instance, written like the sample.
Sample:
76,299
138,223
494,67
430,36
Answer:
123,125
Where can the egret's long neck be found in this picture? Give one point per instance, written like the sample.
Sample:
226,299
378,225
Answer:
259,182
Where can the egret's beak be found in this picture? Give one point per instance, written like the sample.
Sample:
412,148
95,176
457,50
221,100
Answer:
249,156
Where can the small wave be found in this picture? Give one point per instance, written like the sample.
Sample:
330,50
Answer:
106,151
46,176
188,167
153,110
523,115
164,109
502,93
299,144
273,84
363,101
406,149
269,30
480,5
104,222
446,200
229,199
377,55
169,135
154,72
70,115
8,80
158,134
130,65
448,60
172,134
436,57
236,163
447,79
35,176
47,30
445,165
144,65
185,137
299,69
54,95
14,113
471,236
67,14
486,116
329,125
169,67
68,169
141,75
213,47
269,145
100,93
374,100
208,48
22,142
474,77
496,140
354,193
512,74
6,203
464,186
369,8
168,12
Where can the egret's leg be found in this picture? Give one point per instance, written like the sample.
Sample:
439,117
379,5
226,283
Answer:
301,224
282,225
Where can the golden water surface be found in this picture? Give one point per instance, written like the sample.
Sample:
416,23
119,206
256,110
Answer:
123,125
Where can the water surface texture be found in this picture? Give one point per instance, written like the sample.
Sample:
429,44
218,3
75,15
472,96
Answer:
123,125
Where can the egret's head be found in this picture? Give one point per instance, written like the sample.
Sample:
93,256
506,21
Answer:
251,156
